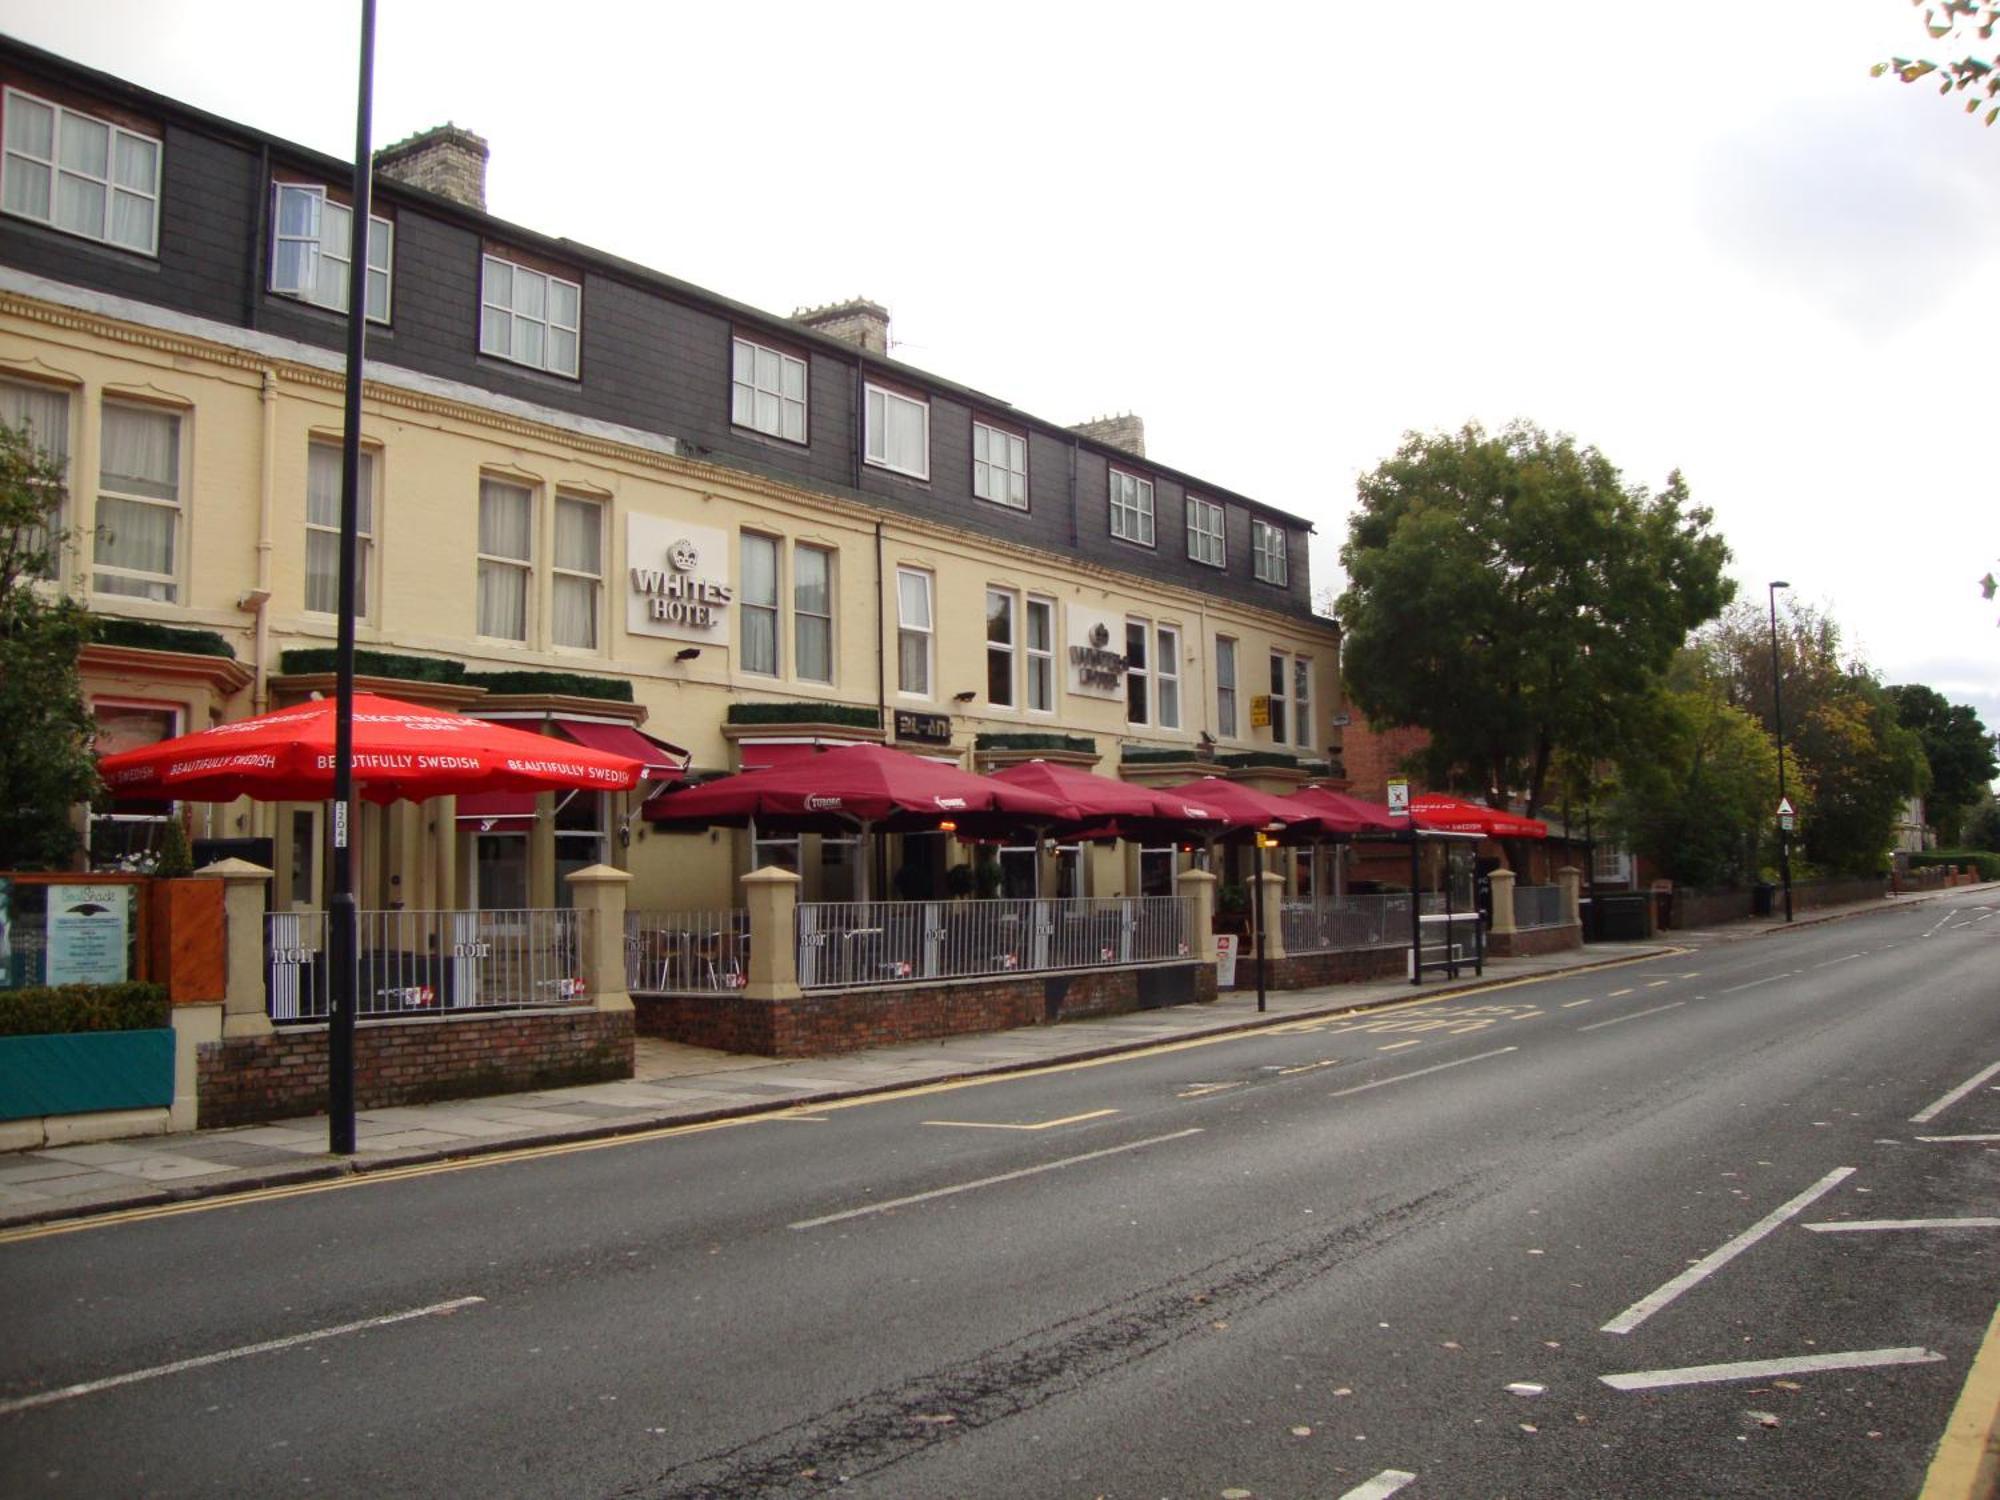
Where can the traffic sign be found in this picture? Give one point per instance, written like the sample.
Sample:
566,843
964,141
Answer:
1785,808
1399,798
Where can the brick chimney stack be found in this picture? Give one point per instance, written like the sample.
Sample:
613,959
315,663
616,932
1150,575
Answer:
1124,431
857,321
444,160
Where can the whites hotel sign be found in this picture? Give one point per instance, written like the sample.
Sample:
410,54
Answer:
676,580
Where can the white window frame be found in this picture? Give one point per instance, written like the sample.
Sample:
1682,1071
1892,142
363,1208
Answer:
327,243
1003,656
1267,552
518,318
169,582
366,495
886,410
1140,676
1167,676
1280,680
801,615
486,562
1205,541
1040,660
999,465
1302,696
594,580
745,389
1225,686
176,716
771,608
59,450
15,160
1131,508
924,630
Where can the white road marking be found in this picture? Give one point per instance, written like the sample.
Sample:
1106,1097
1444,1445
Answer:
1398,1046
1618,1020
1931,1111
966,1187
1773,979
1937,1139
1380,1487
1646,1306
1362,1088
1761,1369
1655,984
1942,920
1832,961
269,1346
1095,1114
1573,1004
1856,1226
1616,993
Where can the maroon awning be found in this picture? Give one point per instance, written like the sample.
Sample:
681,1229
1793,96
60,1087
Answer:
663,762
497,812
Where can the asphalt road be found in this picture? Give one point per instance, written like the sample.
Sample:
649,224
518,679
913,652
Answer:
1518,1243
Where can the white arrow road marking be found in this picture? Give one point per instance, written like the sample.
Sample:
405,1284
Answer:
1380,1487
966,1187
1760,1369
1646,1306
1931,1111
1620,1020
269,1346
1095,1114
1857,1226
1362,1088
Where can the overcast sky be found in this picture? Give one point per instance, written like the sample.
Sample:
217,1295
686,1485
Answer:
1696,235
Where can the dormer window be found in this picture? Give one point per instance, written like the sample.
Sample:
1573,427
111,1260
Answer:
309,250
529,317
80,174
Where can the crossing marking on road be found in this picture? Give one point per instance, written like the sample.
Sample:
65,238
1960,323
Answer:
1868,1226
1095,1114
1380,1487
1014,1176
202,1361
1716,1259
1937,1107
1761,1369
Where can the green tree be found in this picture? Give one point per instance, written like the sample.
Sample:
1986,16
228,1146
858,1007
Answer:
45,762
1956,25
1511,595
1959,748
1981,829
1696,799
1857,764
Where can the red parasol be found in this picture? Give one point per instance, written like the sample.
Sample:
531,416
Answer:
1239,806
401,750
1341,815
855,785
1111,807
1442,814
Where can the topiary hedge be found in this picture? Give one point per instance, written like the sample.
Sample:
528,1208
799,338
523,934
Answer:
373,664
57,1010
146,636
1082,743
805,713
573,684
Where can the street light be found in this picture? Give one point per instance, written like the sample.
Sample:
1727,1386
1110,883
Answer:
1778,715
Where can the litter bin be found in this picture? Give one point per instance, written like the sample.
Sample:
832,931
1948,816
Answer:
1760,898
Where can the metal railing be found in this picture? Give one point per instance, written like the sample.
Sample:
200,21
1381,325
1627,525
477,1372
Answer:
844,944
426,962
1345,922
1538,906
686,951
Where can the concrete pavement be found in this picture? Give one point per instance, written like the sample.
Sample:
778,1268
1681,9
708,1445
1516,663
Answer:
679,1085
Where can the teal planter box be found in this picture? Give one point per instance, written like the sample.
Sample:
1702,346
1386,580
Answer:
85,1072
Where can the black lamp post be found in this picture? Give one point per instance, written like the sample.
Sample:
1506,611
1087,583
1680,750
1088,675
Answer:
1778,715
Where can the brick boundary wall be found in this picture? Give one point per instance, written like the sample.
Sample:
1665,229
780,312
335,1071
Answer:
1532,942
1694,908
1304,971
821,1022
245,1080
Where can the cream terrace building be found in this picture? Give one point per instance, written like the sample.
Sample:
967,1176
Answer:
596,501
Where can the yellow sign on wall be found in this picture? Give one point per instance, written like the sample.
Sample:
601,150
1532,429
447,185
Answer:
1260,711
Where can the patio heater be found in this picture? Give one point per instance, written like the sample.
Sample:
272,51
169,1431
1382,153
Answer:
343,961
1265,837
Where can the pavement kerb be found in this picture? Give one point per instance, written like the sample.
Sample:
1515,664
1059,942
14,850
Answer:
1967,1463
168,1196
